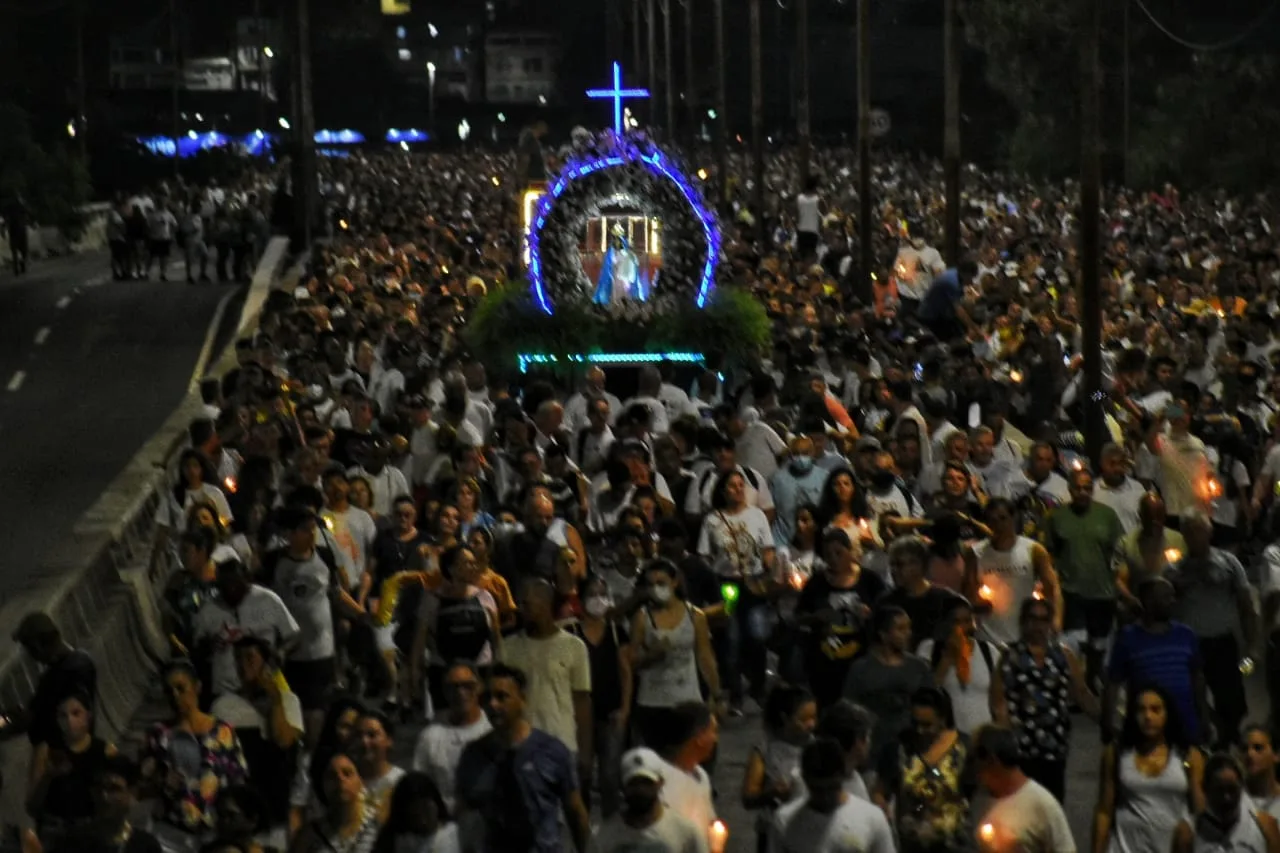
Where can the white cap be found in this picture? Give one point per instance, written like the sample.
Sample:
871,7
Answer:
641,763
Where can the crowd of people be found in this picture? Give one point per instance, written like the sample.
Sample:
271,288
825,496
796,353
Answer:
886,538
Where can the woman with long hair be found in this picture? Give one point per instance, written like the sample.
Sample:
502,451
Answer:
187,760
196,481
842,505
349,822
335,733
471,515
418,821
480,541
772,774
924,778
738,543
1150,778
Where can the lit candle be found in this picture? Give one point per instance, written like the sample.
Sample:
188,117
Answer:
987,833
718,836
1214,487
1172,555
230,483
1077,465
1015,375
986,593
796,579
1038,593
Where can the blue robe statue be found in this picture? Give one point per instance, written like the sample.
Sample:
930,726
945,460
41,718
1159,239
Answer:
621,276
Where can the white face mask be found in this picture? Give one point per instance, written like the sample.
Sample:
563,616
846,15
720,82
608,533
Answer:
597,605
661,594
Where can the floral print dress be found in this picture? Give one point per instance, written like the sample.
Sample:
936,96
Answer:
207,763
932,801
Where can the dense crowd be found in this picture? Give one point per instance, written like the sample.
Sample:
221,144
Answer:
886,537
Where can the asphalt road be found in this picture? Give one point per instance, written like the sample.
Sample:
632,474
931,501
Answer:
89,369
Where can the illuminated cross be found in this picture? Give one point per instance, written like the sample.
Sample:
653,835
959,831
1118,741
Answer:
617,94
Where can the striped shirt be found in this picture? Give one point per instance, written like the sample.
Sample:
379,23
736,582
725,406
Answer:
1141,657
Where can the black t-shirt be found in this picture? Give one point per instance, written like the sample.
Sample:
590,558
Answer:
846,637
75,673
927,611
392,554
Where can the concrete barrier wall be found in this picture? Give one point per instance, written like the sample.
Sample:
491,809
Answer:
96,584
48,243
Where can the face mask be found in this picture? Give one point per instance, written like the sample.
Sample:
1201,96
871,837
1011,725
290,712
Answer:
315,392
802,464
883,479
661,594
597,605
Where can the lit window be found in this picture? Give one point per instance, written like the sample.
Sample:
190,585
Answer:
405,54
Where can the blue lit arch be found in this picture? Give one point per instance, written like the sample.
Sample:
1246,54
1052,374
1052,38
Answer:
611,154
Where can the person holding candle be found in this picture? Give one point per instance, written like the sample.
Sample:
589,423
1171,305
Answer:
1146,551
1225,823
1005,572
1024,816
645,823
1149,781
772,776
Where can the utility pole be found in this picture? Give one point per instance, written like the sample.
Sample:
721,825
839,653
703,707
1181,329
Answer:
866,228
652,79
690,86
951,135
176,84
722,110
757,123
298,23
1090,220
802,79
666,61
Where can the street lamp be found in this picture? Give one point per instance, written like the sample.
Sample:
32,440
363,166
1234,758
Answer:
431,96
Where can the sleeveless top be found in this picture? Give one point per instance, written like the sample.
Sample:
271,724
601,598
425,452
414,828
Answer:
1245,837
781,762
1148,808
1039,700
70,796
674,679
1011,579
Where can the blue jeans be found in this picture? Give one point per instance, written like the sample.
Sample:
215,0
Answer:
609,745
741,647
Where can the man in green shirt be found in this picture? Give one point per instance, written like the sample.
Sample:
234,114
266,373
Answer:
1082,538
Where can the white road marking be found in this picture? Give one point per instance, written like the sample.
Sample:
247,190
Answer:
42,335
64,302
206,351
16,382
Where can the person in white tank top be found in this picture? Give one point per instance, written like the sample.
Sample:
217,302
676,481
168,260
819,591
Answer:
1009,569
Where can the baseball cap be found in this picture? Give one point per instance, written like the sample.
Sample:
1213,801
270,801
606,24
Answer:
641,763
868,443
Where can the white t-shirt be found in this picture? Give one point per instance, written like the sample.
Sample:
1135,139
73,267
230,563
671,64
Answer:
352,532
658,424
387,485
698,500
670,833
260,614
735,544
240,713
557,667
305,587
1124,500
688,794
377,792
1033,819
169,514
445,840
759,447
439,748
808,213
856,826
970,702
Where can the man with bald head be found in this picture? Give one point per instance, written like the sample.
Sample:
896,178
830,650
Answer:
576,407
534,550
559,671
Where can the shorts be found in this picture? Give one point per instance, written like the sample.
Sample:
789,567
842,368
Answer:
1094,616
385,637
806,243
312,681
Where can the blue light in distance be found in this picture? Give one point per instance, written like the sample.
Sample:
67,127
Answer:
527,359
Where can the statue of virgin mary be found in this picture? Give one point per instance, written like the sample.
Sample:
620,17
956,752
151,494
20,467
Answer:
621,277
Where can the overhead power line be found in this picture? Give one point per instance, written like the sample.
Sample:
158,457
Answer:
1231,41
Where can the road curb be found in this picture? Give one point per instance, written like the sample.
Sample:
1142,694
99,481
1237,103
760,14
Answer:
96,584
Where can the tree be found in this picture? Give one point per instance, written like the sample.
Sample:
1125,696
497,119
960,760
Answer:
53,181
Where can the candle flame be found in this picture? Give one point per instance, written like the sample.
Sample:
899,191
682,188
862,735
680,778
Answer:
719,836
796,579
1016,375
1172,555
986,593
230,483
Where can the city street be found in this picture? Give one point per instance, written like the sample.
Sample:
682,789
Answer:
89,369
